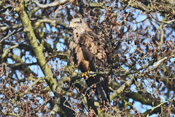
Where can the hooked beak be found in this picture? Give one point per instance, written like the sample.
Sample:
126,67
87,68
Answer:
71,25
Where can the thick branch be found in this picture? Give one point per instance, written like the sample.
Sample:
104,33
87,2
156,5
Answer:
38,49
120,90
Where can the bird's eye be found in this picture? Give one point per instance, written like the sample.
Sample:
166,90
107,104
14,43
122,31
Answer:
79,21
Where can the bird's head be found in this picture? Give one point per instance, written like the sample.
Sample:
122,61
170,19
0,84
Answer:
76,22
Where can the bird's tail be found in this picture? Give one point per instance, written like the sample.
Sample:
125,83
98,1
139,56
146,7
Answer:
101,88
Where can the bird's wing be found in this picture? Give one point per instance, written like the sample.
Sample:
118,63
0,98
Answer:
92,49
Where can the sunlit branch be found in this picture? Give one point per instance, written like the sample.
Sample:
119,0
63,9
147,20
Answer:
155,65
121,89
53,22
38,49
28,89
5,52
53,4
163,21
10,34
138,5
10,27
162,31
156,108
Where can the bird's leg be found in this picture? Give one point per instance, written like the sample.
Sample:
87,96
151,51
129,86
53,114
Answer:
85,74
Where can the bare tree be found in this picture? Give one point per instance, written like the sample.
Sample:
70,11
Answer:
38,76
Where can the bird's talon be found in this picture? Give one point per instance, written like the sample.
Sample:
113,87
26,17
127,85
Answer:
85,75
95,86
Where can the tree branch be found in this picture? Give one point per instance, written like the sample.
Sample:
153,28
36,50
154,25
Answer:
38,50
121,89
53,4
10,34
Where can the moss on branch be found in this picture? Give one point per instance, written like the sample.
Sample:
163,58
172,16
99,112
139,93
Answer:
38,50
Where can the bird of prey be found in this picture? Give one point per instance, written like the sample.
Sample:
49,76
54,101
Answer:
89,54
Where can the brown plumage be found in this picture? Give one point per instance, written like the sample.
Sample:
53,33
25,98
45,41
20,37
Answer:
89,53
